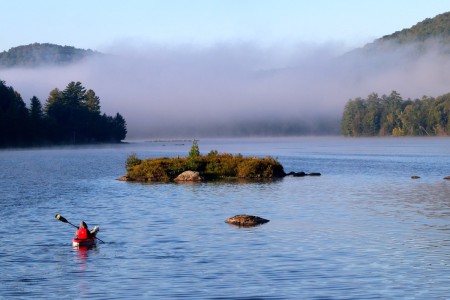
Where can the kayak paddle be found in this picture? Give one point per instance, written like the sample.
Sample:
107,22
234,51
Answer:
64,220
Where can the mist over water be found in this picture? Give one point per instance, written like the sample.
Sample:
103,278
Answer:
233,89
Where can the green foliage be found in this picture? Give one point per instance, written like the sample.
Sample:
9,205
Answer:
160,169
76,111
69,116
132,161
194,154
421,37
195,151
391,115
213,152
209,166
258,168
91,101
221,165
437,27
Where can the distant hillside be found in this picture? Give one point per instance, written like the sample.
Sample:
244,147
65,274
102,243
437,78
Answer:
436,29
36,54
420,56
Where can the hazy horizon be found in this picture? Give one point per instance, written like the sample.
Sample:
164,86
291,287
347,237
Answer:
237,88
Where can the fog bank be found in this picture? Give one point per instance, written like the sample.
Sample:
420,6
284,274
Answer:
238,88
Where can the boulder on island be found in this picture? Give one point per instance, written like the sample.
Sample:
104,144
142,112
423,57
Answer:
246,220
189,176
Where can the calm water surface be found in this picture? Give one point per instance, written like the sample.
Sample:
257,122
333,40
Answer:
363,230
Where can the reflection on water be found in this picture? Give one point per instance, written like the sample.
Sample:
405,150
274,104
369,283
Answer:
363,230
83,252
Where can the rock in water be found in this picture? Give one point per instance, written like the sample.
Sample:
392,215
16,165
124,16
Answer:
246,220
189,176
314,174
415,177
447,177
299,174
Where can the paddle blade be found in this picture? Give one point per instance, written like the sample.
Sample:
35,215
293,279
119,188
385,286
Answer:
61,218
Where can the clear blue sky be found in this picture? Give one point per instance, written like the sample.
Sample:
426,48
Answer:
96,24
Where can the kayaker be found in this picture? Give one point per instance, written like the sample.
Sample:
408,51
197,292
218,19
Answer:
83,232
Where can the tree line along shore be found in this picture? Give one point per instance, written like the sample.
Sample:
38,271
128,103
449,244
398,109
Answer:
71,116
391,115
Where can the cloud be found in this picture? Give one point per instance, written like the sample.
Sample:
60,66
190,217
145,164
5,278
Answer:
237,88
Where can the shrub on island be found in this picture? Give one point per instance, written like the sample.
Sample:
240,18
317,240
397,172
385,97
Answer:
212,166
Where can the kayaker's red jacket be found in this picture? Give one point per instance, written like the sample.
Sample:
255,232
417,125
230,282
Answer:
83,233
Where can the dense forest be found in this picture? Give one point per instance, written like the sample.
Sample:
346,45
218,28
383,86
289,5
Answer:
391,115
36,54
71,116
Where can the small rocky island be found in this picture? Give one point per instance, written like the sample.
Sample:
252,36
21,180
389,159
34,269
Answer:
197,167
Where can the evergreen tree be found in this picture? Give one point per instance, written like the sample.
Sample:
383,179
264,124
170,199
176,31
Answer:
54,98
92,102
195,151
13,117
119,128
36,120
70,116
36,111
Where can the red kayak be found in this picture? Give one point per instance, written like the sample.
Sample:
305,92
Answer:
76,242
87,242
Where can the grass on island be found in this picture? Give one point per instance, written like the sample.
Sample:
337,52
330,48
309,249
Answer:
214,165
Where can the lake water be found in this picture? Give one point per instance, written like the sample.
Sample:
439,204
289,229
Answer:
362,230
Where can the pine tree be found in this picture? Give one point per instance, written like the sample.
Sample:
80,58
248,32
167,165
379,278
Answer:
36,120
91,102
119,128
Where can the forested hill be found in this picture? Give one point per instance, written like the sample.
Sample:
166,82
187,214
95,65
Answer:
436,29
427,42
36,54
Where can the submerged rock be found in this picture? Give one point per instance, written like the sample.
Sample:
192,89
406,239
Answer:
299,174
246,220
302,174
314,174
189,176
